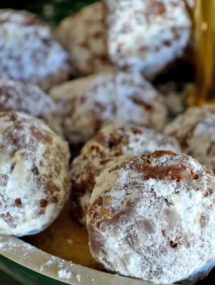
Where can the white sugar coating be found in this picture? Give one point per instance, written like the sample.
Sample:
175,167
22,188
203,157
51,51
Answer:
87,104
152,217
28,98
83,36
28,51
109,143
146,35
195,131
64,274
33,174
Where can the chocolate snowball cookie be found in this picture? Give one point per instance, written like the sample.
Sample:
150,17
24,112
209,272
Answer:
87,104
33,174
109,143
146,35
30,99
27,98
195,131
28,50
83,37
152,217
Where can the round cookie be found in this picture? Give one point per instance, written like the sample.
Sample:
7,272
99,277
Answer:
152,217
109,143
146,35
27,98
83,36
33,174
29,52
195,131
87,104
30,99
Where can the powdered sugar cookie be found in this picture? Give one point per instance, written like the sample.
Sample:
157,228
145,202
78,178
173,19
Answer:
83,36
89,103
195,131
28,51
146,35
33,174
28,98
109,143
152,217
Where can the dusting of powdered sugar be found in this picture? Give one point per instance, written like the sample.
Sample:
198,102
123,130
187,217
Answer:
33,174
144,34
109,143
195,131
152,217
28,52
64,274
90,103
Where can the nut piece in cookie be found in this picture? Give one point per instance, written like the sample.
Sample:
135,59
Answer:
152,217
29,52
83,37
146,35
33,174
109,143
85,105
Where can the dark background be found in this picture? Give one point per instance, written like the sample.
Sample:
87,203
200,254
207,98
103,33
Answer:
50,10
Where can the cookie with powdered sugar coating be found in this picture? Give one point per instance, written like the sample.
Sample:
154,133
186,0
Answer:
29,52
34,182
30,99
195,131
83,37
27,98
109,143
146,35
88,104
152,217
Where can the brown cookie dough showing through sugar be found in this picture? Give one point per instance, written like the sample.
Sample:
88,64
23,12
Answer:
152,217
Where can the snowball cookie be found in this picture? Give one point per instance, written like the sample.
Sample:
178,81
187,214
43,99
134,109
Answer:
195,131
146,35
152,217
89,103
83,36
33,174
109,143
28,51
28,98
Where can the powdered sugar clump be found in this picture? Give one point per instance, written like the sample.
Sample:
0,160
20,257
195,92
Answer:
64,274
152,217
